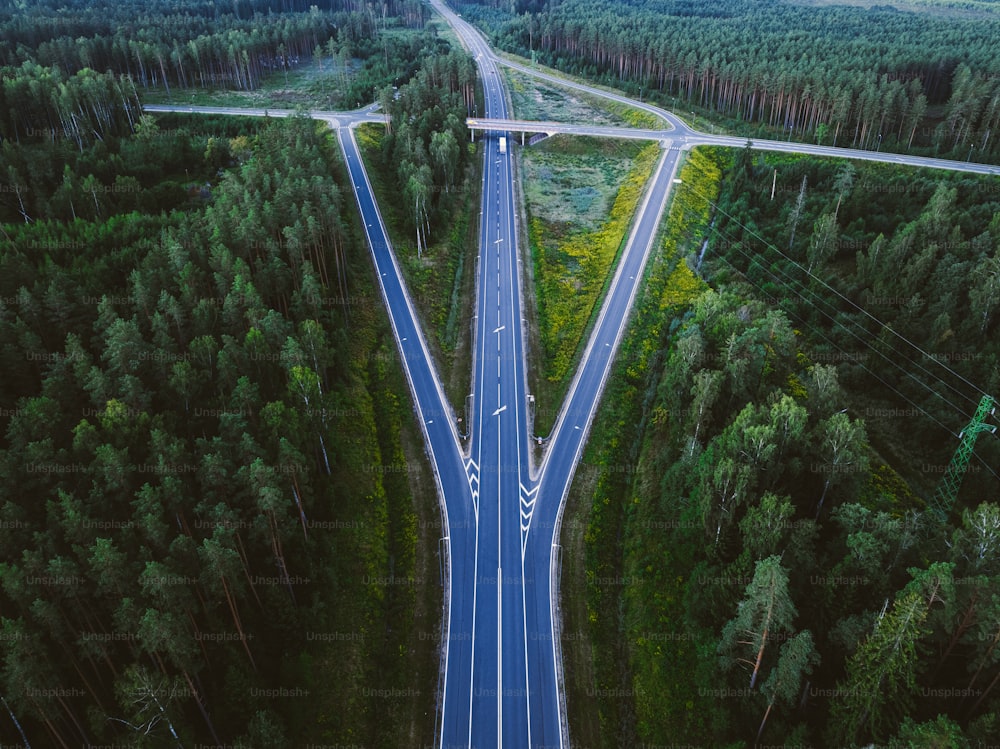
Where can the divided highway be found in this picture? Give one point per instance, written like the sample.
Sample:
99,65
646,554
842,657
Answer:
507,707
543,493
527,641
501,682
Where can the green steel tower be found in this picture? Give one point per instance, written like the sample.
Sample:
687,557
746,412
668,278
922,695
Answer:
947,490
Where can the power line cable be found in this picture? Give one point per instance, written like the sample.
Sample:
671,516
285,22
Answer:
847,299
866,369
878,322
817,298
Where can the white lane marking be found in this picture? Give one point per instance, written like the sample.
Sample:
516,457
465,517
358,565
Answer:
499,657
528,500
475,592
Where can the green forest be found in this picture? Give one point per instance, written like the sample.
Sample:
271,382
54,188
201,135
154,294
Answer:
876,78
426,176
770,569
423,149
217,518
843,247
76,69
213,493
191,43
205,497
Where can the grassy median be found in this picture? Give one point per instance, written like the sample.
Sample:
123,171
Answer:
581,196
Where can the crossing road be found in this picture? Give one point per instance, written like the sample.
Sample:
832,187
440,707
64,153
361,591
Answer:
335,119
501,658
688,138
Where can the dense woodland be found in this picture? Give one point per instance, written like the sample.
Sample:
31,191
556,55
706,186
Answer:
425,149
76,69
775,579
426,174
842,247
208,462
202,467
872,78
206,489
183,43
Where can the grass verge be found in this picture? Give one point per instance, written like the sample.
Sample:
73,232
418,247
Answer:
535,99
631,115
312,85
610,690
581,195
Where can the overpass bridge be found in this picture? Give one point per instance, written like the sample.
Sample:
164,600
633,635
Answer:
554,128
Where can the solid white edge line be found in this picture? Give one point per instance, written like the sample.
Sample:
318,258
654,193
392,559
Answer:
442,503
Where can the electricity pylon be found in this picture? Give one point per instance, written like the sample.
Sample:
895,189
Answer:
947,490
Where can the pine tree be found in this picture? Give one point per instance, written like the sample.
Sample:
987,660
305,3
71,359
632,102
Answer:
765,613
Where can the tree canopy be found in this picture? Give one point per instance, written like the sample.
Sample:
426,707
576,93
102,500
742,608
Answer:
873,78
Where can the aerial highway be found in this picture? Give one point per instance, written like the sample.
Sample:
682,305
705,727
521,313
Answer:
507,708
544,491
528,503
501,678
553,128
687,138
335,119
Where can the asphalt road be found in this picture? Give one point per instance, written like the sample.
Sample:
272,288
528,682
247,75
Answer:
335,119
456,478
704,139
690,138
525,642
505,709
501,657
